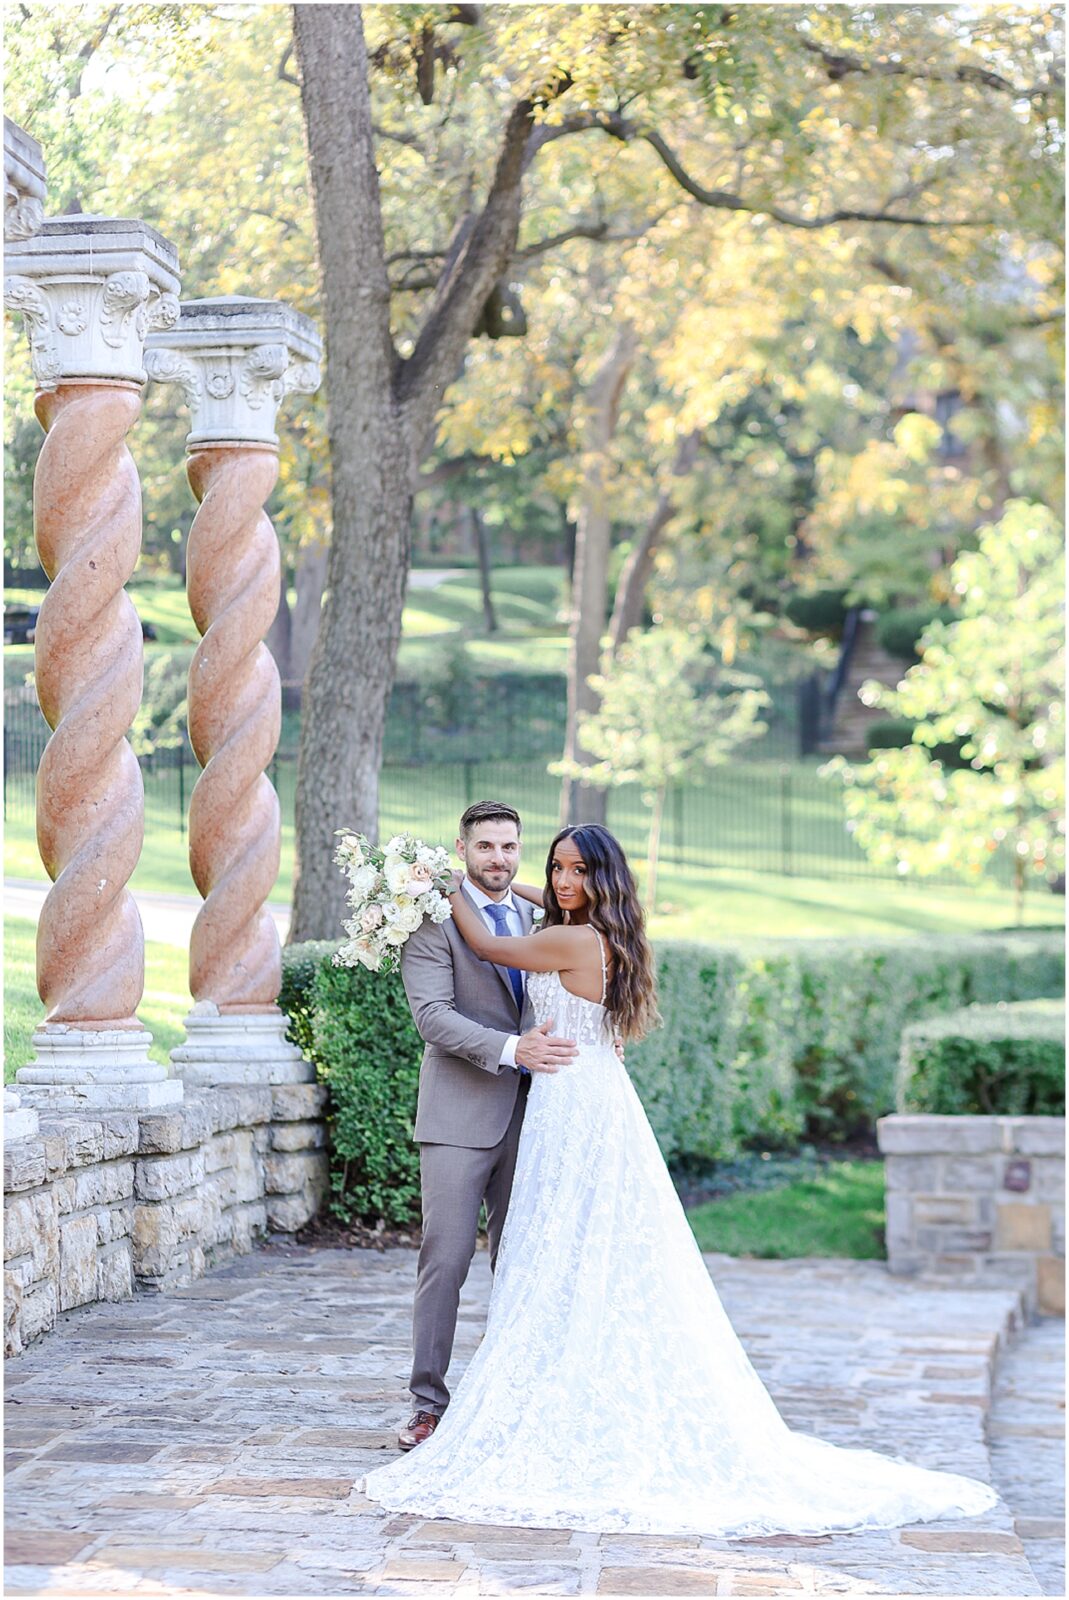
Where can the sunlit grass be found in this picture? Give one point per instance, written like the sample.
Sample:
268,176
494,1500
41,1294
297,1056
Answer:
166,999
838,1213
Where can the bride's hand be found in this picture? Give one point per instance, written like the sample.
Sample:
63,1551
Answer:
455,880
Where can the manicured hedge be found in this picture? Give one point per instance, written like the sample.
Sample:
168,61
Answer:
823,611
357,1028
898,630
1001,1060
762,1043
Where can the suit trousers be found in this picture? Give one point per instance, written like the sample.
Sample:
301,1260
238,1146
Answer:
454,1182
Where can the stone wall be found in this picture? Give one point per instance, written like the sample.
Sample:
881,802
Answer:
980,1200
99,1206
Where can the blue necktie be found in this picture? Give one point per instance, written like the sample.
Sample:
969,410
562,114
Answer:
500,917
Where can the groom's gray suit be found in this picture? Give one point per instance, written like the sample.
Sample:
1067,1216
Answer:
468,1121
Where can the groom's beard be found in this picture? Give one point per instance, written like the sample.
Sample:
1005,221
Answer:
489,880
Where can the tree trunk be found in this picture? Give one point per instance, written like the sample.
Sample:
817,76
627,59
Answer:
382,411
482,550
568,535
582,802
352,666
635,576
653,852
310,580
279,636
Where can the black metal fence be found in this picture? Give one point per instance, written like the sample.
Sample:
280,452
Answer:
766,810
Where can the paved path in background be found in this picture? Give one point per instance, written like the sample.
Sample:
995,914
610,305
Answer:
167,918
206,1442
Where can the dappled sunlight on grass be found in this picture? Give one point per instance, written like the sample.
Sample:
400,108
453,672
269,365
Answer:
838,1213
164,1005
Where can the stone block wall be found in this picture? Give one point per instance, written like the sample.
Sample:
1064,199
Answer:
100,1206
979,1200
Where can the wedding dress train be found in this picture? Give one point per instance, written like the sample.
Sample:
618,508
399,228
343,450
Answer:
610,1392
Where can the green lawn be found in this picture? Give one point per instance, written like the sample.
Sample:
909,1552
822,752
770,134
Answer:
532,636
838,1213
723,878
738,860
166,1000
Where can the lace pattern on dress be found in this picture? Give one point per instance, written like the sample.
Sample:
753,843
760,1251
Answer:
610,1392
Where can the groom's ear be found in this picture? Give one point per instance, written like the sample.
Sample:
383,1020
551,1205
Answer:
460,849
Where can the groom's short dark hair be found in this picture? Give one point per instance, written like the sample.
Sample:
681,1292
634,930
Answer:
488,811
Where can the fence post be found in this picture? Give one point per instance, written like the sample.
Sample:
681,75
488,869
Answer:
182,788
677,822
786,861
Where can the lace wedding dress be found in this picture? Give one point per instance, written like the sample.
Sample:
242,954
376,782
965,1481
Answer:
610,1392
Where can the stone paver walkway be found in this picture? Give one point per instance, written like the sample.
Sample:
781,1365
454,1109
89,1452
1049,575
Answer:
206,1443
1027,1433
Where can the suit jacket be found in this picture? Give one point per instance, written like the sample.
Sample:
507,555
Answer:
464,1010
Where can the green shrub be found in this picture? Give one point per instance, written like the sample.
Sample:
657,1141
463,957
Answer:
889,733
762,1044
1006,1059
894,733
357,1028
821,612
898,630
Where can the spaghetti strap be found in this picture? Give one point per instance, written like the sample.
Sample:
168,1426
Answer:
601,953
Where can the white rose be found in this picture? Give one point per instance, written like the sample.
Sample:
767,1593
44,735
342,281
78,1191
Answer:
395,870
364,881
395,934
410,918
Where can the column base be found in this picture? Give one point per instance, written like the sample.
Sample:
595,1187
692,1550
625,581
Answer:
242,1047
105,1070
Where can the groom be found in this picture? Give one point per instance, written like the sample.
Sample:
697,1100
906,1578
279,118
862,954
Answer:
479,1051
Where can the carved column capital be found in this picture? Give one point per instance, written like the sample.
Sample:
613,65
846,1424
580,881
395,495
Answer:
236,359
24,183
91,289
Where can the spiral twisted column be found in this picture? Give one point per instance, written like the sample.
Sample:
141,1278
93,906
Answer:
235,359
25,192
89,289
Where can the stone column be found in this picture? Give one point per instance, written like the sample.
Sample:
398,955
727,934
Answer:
235,359
89,288
24,199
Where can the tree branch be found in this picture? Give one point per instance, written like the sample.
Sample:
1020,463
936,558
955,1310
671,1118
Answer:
618,127
281,74
470,275
841,64
445,471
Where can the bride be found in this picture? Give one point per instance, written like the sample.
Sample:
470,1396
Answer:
610,1392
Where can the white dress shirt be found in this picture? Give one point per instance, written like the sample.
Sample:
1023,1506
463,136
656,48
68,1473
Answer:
515,927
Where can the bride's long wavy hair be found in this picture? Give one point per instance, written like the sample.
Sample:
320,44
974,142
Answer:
615,910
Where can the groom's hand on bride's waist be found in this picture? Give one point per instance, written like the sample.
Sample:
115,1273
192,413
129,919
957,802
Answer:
540,1051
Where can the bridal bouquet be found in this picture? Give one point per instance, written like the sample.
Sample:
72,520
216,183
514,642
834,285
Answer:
390,892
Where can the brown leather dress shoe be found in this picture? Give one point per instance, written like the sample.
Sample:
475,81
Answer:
420,1426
